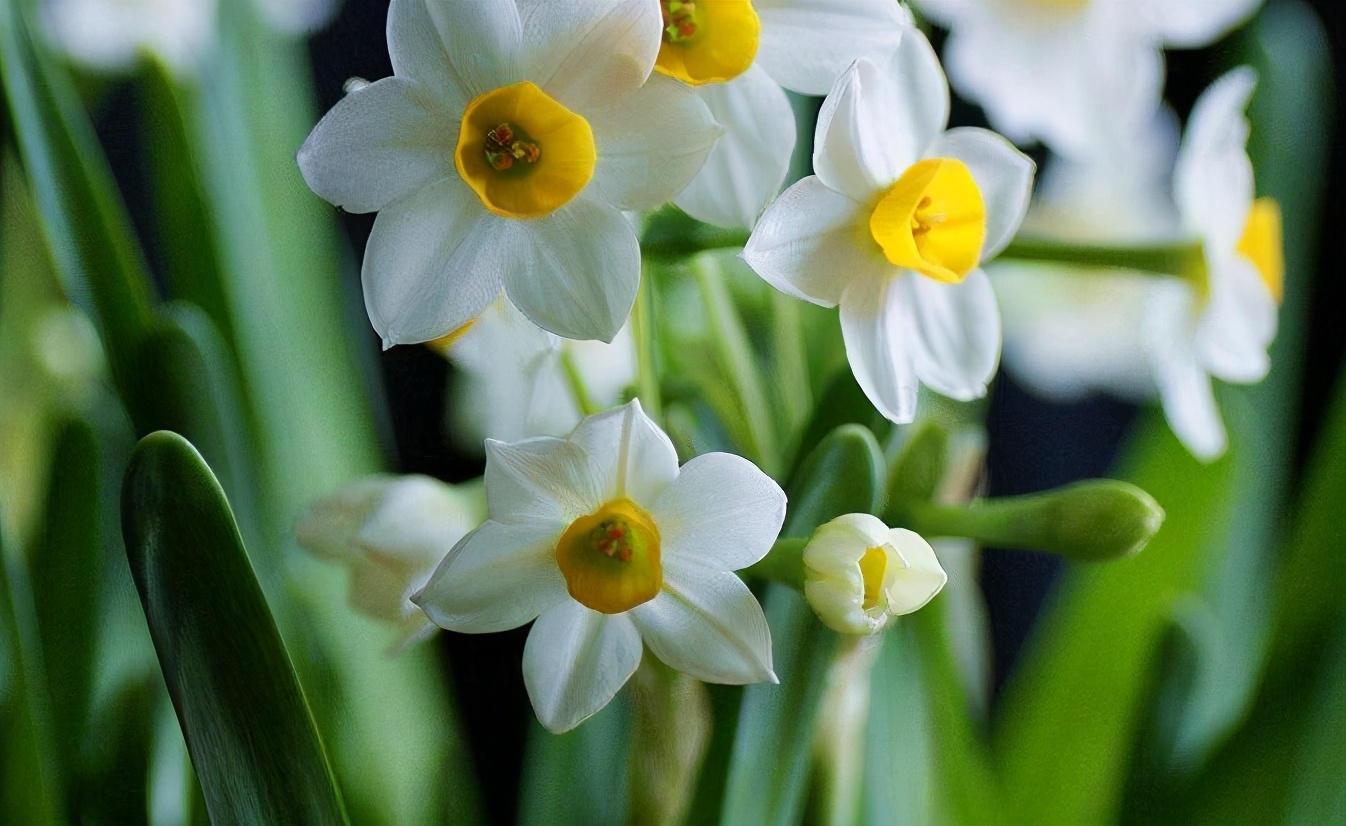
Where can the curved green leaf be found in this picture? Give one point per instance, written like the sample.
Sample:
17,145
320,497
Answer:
247,725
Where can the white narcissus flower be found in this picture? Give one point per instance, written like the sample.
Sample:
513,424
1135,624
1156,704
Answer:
1221,323
893,227
501,153
738,54
297,16
513,381
391,532
1071,73
608,544
859,573
109,35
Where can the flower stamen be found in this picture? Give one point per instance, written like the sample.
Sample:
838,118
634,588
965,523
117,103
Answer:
504,145
680,20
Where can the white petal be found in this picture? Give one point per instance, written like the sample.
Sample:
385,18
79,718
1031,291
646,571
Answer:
1003,174
435,259
1213,177
709,626
1192,25
722,513
811,242
418,55
577,270
1238,323
877,346
879,119
417,521
542,479
746,168
956,341
575,661
377,144
909,589
630,456
589,55
1189,406
498,577
483,40
651,144
807,44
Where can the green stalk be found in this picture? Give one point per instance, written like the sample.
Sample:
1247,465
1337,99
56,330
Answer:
1184,260
580,393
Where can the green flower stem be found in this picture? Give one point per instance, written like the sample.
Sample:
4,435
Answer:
783,564
1185,260
578,390
643,323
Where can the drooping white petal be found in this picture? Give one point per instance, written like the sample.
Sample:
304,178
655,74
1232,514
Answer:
417,53
910,588
877,345
807,44
589,55
575,660
543,479
496,578
746,168
376,145
576,270
1238,323
811,242
1189,405
722,513
955,346
1003,174
1213,177
878,120
709,626
1192,25
650,144
630,456
483,42
435,259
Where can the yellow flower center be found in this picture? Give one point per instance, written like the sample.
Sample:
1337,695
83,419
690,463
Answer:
1262,243
708,41
932,220
523,153
610,558
873,567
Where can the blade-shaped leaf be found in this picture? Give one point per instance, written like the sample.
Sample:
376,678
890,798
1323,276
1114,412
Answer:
247,725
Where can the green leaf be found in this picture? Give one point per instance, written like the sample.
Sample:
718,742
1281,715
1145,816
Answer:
900,773
247,724
841,403
918,470
768,769
1099,519
578,777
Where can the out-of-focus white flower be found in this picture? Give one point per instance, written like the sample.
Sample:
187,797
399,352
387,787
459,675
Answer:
738,54
297,16
608,544
893,227
1221,325
391,532
501,153
1071,331
859,573
110,35
1072,72
513,381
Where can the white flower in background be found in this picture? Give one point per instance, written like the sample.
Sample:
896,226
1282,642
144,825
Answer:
1221,325
738,54
612,547
1071,72
391,532
110,35
513,381
297,16
859,573
501,153
1071,331
893,227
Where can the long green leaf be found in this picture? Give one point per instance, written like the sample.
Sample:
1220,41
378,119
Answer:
578,777
247,725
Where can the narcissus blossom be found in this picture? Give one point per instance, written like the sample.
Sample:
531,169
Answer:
501,153
1072,72
390,532
1220,322
738,54
110,35
859,573
893,227
612,547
